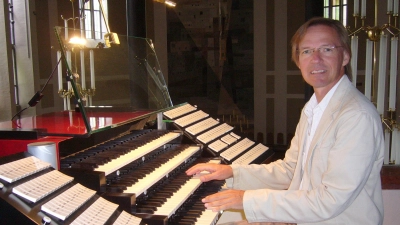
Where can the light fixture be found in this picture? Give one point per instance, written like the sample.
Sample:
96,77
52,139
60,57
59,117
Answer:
167,2
77,41
170,3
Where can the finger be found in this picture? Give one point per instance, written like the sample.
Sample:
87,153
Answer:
215,197
222,204
206,177
193,170
225,200
197,169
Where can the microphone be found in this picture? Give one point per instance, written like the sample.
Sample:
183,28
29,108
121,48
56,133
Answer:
38,95
35,99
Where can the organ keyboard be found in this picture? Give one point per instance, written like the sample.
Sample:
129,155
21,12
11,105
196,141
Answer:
144,183
137,153
124,160
139,175
51,197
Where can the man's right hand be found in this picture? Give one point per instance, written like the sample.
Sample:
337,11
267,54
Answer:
215,171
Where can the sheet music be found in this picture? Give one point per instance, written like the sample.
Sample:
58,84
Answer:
127,219
19,169
179,111
251,155
217,145
41,186
237,149
97,213
191,118
68,202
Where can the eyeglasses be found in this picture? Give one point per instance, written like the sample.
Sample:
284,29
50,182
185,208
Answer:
323,50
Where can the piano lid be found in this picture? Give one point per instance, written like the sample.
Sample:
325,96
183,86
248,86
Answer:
102,83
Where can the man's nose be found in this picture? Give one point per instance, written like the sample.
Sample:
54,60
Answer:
316,55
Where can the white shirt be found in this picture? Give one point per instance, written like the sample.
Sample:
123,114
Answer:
314,112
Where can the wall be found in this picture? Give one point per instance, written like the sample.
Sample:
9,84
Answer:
391,199
7,108
278,85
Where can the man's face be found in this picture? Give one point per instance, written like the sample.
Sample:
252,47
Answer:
321,58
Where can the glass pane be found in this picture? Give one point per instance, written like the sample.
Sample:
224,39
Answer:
335,2
344,2
88,24
336,13
97,24
326,13
326,3
124,78
87,5
96,5
345,15
103,29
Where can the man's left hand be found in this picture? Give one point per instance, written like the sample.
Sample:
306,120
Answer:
229,199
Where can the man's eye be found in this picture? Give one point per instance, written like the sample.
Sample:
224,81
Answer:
327,49
306,51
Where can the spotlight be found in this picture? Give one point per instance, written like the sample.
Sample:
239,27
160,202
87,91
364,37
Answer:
77,41
170,3
167,2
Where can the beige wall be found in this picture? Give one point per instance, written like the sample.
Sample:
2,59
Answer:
278,85
6,98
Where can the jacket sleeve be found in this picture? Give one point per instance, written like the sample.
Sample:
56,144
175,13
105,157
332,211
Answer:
275,175
352,149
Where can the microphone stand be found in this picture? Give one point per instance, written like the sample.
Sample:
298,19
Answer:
38,95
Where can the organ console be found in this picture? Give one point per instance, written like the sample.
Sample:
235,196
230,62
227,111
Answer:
118,165
140,173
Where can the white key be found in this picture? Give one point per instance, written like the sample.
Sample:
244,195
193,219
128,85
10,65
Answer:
137,153
178,198
208,217
146,182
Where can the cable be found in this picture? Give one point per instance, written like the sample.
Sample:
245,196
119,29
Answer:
38,95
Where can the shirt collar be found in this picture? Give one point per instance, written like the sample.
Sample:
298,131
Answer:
313,103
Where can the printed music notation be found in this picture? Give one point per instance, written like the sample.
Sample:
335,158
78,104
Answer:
19,169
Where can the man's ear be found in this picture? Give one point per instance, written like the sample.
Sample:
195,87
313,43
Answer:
346,58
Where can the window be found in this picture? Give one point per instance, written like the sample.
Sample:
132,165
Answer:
94,22
336,9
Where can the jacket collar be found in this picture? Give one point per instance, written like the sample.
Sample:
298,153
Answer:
330,113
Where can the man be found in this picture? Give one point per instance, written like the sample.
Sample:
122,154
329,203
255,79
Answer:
331,172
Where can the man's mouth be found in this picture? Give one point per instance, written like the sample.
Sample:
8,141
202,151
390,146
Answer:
318,71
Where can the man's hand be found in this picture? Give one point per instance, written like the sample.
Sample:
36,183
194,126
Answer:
216,171
229,199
